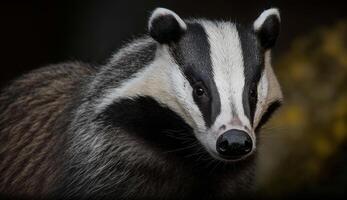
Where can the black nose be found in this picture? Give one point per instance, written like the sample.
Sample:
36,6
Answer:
234,144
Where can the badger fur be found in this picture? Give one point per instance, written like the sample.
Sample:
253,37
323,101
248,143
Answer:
173,115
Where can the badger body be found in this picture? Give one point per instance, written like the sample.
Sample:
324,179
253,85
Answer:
168,116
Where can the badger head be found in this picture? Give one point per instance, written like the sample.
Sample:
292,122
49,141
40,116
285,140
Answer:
215,75
222,77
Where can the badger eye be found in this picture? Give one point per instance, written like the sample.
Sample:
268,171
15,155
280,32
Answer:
199,90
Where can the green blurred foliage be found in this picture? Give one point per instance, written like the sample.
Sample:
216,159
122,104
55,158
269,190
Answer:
309,134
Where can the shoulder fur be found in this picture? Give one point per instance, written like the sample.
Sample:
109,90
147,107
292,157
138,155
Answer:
29,110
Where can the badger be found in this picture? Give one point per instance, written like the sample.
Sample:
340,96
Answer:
174,114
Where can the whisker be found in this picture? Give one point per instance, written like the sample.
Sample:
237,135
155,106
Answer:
181,149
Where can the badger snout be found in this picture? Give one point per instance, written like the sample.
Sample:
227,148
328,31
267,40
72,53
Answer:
234,144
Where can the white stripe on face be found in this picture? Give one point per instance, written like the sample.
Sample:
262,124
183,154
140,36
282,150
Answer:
228,69
269,89
263,87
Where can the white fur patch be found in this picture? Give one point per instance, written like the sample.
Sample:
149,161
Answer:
263,87
227,61
258,23
269,89
160,80
274,90
162,12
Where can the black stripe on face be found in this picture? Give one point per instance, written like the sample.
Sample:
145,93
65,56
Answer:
273,107
192,54
149,120
157,126
253,58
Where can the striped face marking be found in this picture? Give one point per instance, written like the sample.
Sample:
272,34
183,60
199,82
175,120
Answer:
226,62
192,54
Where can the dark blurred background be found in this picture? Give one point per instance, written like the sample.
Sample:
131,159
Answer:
304,149
37,33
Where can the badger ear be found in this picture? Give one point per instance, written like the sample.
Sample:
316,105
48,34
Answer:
165,26
267,27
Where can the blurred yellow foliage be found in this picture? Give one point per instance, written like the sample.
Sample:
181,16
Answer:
313,122
340,130
323,147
